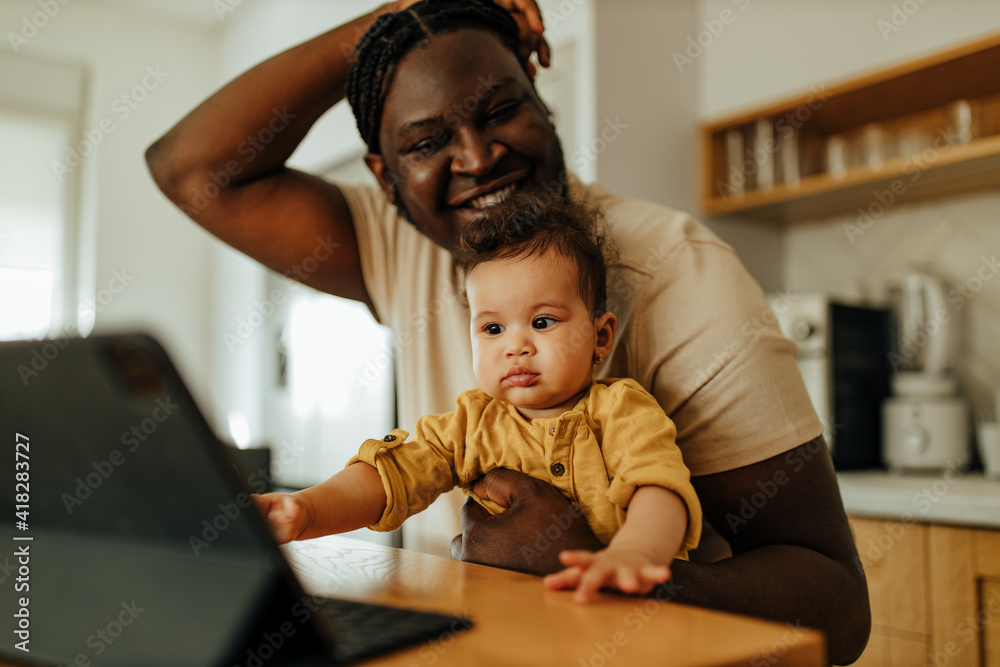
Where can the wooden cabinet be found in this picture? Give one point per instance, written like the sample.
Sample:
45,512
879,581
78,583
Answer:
935,593
895,563
925,128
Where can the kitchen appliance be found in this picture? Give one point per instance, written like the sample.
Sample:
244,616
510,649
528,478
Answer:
926,422
843,353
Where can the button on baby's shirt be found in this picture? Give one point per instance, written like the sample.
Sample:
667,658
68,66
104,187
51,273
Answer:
558,469
389,438
552,430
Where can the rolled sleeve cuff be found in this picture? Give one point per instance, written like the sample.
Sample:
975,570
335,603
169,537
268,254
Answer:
376,454
623,488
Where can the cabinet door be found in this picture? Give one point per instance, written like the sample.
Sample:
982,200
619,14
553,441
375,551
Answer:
886,651
988,613
893,557
954,597
989,616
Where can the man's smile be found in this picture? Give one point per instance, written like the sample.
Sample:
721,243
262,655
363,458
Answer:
489,194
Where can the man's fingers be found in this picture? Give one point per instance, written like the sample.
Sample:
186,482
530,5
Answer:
457,549
488,487
530,28
531,12
473,512
503,486
544,52
526,13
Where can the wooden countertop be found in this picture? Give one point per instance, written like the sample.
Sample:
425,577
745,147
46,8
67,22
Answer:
519,622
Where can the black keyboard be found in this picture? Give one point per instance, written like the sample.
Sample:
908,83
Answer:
364,630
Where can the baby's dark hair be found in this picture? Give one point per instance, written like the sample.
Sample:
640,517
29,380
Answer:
526,225
394,35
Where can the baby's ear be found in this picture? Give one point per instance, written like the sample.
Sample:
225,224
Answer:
605,325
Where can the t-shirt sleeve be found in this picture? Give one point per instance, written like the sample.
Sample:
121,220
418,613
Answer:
639,448
709,346
414,471
375,226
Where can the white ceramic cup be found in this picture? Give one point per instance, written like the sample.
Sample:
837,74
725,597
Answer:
988,437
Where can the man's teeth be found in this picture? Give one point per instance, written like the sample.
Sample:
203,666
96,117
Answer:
491,198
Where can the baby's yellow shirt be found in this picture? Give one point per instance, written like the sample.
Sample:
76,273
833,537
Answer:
614,440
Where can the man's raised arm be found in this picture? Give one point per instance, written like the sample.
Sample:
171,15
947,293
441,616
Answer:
224,163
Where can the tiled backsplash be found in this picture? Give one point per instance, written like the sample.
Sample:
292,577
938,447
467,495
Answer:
959,237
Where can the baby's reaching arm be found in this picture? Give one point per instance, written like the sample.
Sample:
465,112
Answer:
351,499
638,556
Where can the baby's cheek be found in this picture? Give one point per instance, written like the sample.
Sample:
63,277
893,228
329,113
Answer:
481,365
574,348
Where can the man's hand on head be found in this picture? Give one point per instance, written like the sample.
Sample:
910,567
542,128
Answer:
528,536
529,20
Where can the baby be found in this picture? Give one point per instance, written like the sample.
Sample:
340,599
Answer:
535,277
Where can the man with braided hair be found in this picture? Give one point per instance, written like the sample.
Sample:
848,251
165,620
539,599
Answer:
688,312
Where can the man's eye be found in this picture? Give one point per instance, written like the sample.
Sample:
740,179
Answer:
503,110
542,322
493,329
423,148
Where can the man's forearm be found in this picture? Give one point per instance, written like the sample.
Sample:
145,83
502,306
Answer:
784,583
299,85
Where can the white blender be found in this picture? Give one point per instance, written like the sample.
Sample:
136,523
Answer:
925,423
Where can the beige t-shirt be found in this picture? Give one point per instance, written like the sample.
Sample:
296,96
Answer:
693,329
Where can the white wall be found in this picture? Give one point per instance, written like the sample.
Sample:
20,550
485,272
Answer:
645,104
778,48
259,30
129,226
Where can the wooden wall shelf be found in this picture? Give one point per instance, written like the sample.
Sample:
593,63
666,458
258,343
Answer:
927,128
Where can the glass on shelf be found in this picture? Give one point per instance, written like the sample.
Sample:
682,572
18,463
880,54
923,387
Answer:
788,156
836,156
874,146
735,176
764,148
961,122
967,121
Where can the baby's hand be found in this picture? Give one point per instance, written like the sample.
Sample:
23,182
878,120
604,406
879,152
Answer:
285,515
628,570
